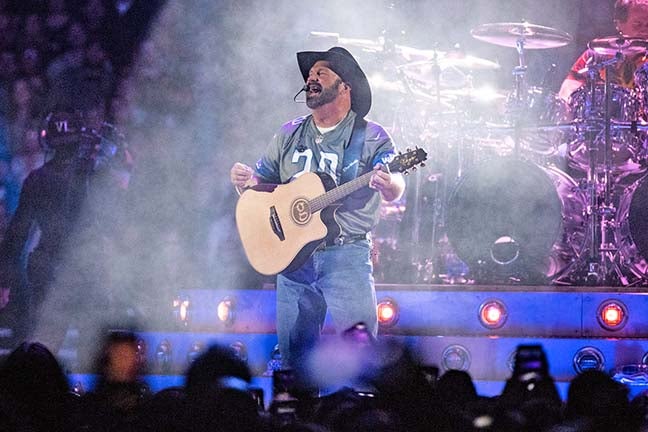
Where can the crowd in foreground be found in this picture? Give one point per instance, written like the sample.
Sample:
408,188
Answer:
390,390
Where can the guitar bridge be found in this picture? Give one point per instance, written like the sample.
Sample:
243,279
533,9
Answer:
275,223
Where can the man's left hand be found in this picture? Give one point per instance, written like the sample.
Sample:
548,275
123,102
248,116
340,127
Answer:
390,186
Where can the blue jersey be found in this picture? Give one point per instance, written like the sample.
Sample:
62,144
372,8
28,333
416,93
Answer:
299,148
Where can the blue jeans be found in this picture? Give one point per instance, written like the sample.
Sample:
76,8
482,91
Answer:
338,278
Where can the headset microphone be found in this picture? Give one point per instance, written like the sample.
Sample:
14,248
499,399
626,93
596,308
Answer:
303,89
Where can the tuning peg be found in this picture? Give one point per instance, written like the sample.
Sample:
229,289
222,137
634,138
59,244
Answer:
414,168
422,164
405,172
407,149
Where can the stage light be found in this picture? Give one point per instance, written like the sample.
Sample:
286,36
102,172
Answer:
612,315
485,94
588,358
225,311
163,356
455,357
492,314
78,389
388,313
483,421
181,306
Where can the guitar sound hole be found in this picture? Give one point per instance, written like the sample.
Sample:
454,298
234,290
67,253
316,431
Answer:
301,213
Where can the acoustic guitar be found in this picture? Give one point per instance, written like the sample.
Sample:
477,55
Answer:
280,226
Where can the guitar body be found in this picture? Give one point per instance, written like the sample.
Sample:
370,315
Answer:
276,226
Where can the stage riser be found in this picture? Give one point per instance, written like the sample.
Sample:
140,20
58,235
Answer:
530,313
433,320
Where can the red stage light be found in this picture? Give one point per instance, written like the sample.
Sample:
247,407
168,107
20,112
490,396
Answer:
612,315
387,310
492,314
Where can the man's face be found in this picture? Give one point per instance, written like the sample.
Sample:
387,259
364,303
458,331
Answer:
324,85
637,23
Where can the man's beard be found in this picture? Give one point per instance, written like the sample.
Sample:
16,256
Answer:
327,95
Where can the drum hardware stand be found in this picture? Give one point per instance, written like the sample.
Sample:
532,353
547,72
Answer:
519,94
433,266
426,268
602,260
438,204
439,254
518,105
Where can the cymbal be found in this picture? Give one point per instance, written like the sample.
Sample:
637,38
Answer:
424,74
532,36
453,67
378,45
457,60
483,94
414,56
467,61
366,44
613,44
400,88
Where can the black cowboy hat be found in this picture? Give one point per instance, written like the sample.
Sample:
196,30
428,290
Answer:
342,63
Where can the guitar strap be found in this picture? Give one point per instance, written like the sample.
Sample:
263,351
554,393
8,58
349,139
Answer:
353,151
350,164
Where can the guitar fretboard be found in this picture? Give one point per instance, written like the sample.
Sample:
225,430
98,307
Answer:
340,192
400,163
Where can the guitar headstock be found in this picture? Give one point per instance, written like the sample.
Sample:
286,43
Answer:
402,162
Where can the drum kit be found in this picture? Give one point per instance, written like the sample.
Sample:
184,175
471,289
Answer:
538,191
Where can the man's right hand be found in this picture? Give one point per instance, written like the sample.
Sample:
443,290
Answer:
242,175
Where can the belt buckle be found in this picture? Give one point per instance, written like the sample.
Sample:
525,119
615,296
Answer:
339,240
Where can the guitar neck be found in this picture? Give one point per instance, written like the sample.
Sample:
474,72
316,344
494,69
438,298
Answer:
338,193
400,163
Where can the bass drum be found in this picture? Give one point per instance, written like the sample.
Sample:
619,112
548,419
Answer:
516,220
632,229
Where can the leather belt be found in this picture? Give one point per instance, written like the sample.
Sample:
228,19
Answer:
342,240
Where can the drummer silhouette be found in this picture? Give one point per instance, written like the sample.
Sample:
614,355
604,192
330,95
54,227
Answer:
609,82
631,21
606,88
